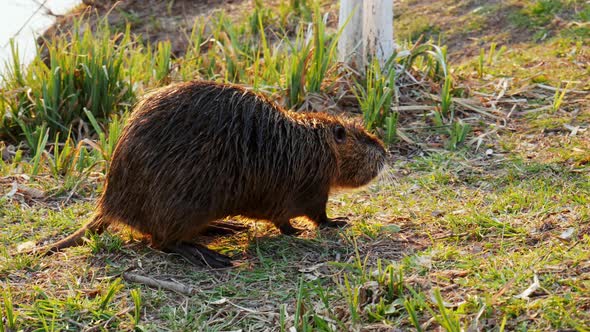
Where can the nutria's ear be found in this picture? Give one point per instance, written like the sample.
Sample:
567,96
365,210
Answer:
339,134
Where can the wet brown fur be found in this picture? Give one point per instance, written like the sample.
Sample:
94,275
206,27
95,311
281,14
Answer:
196,152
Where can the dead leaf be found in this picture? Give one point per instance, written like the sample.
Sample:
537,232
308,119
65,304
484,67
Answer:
30,192
312,268
567,234
530,290
25,246
12,191
391,228
222,300
451,274
438,213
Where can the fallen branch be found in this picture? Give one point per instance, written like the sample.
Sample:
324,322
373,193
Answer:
151,282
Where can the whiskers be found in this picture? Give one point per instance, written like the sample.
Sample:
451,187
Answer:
386,180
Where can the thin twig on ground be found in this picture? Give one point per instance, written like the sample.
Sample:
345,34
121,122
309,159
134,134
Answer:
151,282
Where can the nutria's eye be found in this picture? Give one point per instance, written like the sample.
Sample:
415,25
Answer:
339,134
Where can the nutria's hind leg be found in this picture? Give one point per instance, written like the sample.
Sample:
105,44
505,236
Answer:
199,255
224,228
287,229
283,223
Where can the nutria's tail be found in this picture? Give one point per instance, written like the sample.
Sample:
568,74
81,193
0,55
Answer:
98,225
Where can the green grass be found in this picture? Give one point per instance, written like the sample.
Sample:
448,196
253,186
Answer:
447,239
477,235
86,73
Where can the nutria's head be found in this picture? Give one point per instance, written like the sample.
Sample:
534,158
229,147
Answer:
360,155
357,156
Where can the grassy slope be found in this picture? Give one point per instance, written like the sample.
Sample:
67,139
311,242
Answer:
476,227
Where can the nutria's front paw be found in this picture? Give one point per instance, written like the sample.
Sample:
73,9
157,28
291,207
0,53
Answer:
338,222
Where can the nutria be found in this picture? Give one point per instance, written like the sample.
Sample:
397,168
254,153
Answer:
192,153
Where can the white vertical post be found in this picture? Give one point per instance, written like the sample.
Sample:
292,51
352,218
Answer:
350,43
368,33
377,30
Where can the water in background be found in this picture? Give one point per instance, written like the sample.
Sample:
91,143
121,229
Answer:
28,16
